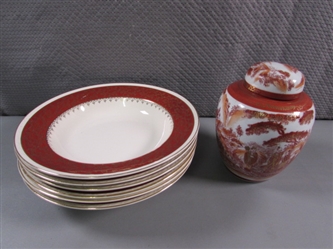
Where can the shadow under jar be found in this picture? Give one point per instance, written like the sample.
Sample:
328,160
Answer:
263,121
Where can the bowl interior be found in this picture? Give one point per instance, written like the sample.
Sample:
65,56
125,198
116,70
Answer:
110,130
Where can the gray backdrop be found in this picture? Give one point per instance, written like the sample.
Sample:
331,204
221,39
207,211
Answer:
195,48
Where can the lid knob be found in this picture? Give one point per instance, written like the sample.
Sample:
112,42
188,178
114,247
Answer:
275,80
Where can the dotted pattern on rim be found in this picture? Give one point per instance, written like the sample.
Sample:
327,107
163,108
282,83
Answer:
98,101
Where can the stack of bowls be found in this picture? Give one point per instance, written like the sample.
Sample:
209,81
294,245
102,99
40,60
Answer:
106,146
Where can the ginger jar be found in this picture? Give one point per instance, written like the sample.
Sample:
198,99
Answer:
263,121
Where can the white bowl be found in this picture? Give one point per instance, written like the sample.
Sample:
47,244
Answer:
106,131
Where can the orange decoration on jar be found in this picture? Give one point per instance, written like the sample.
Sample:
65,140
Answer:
263,121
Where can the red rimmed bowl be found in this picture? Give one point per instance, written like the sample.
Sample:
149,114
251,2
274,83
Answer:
105,131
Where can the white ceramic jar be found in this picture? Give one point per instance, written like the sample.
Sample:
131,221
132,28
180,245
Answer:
263,122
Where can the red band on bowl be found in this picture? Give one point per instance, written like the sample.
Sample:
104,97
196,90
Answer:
34,134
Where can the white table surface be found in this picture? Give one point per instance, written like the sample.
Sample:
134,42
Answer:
207,208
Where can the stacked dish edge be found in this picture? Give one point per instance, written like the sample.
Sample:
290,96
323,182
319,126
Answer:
106,146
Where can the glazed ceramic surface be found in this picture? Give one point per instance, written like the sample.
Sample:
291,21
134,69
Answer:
133,197
261,130
106,146
105,131
120,128
113,183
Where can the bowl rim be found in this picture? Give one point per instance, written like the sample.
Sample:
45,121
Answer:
31,143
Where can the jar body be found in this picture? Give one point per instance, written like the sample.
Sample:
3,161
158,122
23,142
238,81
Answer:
259,137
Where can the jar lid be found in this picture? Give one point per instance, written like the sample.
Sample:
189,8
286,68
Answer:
275,80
